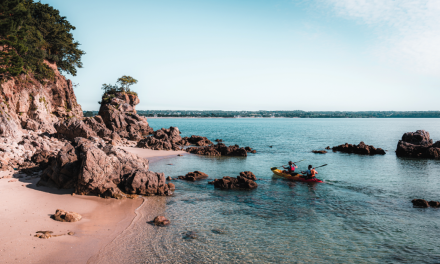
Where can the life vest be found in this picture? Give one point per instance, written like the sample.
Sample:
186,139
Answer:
291,168
313,173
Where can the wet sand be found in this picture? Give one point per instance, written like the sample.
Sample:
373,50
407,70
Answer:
26,209
154,155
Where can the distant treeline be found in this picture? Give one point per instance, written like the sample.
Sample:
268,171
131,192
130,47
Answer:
288,114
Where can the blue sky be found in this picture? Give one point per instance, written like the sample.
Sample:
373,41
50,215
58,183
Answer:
337,55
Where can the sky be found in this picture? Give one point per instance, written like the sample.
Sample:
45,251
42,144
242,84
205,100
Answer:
316,55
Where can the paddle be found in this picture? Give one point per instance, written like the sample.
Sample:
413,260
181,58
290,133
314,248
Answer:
294,162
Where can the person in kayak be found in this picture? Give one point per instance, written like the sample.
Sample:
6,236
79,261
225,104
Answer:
290,168
310,173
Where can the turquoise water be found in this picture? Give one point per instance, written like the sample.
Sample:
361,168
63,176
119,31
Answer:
361,214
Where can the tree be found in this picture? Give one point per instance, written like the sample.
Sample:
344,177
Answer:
110,90
13,33
126,82
32,33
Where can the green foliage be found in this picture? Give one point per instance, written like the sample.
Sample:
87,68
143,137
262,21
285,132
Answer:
110,90
126,82
31,33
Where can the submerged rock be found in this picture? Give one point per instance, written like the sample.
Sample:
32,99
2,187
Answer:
64,216
418,145
362,149
421,203
319,151
190,235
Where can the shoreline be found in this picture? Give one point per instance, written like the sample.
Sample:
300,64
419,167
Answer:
27,208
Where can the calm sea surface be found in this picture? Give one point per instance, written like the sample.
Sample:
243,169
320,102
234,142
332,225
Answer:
361,214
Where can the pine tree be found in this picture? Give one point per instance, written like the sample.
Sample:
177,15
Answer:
13,14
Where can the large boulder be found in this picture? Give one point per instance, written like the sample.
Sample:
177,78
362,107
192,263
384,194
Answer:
119,115
362,149
418,145
246,181
92,167
73,128
198,140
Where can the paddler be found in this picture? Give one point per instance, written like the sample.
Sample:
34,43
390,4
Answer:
290,168
310,173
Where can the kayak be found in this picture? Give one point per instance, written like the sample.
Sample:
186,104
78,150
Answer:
296,177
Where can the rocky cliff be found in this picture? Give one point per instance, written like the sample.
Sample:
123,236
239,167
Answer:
27,103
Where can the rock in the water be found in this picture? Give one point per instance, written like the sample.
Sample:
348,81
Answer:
219,149
434,204
328,147
64,216
161,221
193,176
162,139
169,178
198,140
171,186
362,148
190,235
418,145
246,181
319,151
420,203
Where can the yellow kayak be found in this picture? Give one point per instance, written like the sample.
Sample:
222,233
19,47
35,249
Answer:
295,177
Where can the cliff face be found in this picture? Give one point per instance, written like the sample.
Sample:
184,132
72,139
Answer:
26,103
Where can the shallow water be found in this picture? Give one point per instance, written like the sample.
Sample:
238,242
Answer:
361,214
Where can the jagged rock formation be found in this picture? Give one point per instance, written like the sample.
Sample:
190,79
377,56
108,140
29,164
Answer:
28,151
92,167
362,149
26,103
163,139
418,145
246,181
119,115
220,149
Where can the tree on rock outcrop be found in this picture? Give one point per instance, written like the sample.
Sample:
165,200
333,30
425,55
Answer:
110,90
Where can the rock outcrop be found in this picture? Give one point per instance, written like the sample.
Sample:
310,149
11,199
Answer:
119,115
64,216
197,140
421,203
246,181
92,167
418,145
73,128
29,150
28,104
219,149
319,151
163,139
362,149
193,176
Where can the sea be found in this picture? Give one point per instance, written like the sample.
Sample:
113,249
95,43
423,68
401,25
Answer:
362,213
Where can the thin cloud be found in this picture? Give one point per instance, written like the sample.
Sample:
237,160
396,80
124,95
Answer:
409,30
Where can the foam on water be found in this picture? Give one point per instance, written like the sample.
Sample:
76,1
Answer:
361,214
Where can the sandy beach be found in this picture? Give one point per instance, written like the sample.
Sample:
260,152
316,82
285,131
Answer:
26,209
